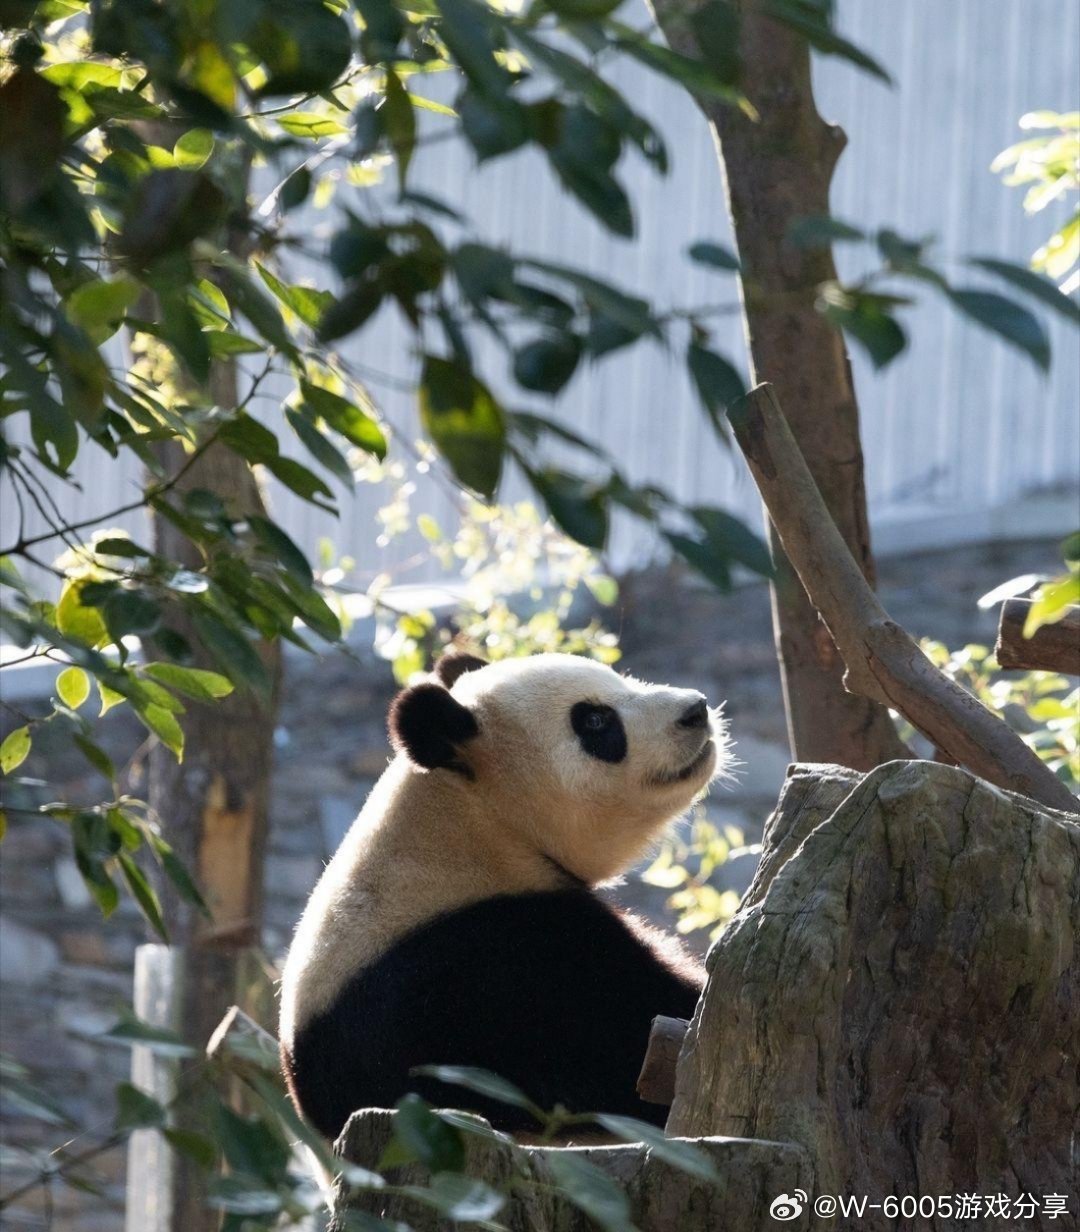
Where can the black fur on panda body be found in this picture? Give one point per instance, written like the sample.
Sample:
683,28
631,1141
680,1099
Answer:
555,991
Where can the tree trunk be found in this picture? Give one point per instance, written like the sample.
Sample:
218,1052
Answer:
899,992
778,169
214,810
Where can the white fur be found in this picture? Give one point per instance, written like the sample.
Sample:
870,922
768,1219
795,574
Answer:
429,841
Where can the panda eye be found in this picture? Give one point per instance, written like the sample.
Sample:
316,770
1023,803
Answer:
599,731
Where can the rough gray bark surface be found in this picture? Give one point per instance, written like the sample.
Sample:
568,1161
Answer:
900,990
778,169
662,1198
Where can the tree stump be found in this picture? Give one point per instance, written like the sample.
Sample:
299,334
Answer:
663,1198
899,992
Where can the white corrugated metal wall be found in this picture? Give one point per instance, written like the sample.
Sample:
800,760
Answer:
954,430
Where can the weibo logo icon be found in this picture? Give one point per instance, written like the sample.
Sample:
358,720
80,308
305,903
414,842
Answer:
785,1207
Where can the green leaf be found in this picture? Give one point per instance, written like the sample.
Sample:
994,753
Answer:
95,842
1051,602
279,545
319,445
356,425
426,1138
591,1190
95,755
726,534
459,1198
249,438
193,682
166,210
350,311
77,620
704,557
299,479
697,76
311,125
308,304
196,1147
465,31
864,318
73,687
130,612
234,653
1007,319
681,1155
1036,285
492,128
303,46
578,506
465,423
244,1196
131,1031
399,123
811,19
481,1082
705,253
136,1110
99,307
193,148
598,190
820,231
174,869
261,312
143,894
717,382
15,749
547,364
164,725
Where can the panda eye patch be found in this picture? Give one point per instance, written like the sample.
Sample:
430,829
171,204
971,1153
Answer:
599,730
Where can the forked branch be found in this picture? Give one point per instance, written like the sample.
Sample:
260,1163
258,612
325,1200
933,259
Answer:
883,661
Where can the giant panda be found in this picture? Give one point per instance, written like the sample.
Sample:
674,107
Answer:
459,923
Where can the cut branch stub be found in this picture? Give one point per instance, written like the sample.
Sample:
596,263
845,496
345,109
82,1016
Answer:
1051,648
656,1082
882,660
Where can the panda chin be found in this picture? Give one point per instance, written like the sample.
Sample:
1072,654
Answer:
704,754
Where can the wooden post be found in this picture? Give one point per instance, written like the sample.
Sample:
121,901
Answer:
182,992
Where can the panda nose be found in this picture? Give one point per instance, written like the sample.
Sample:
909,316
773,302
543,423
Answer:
696,715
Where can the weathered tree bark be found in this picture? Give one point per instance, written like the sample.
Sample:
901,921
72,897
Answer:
214,808
1052,648
883,662
778,169
662,1198
899,992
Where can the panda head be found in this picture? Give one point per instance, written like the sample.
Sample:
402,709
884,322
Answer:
560,754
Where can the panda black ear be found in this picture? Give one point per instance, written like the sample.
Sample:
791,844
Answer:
430,726
456,663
